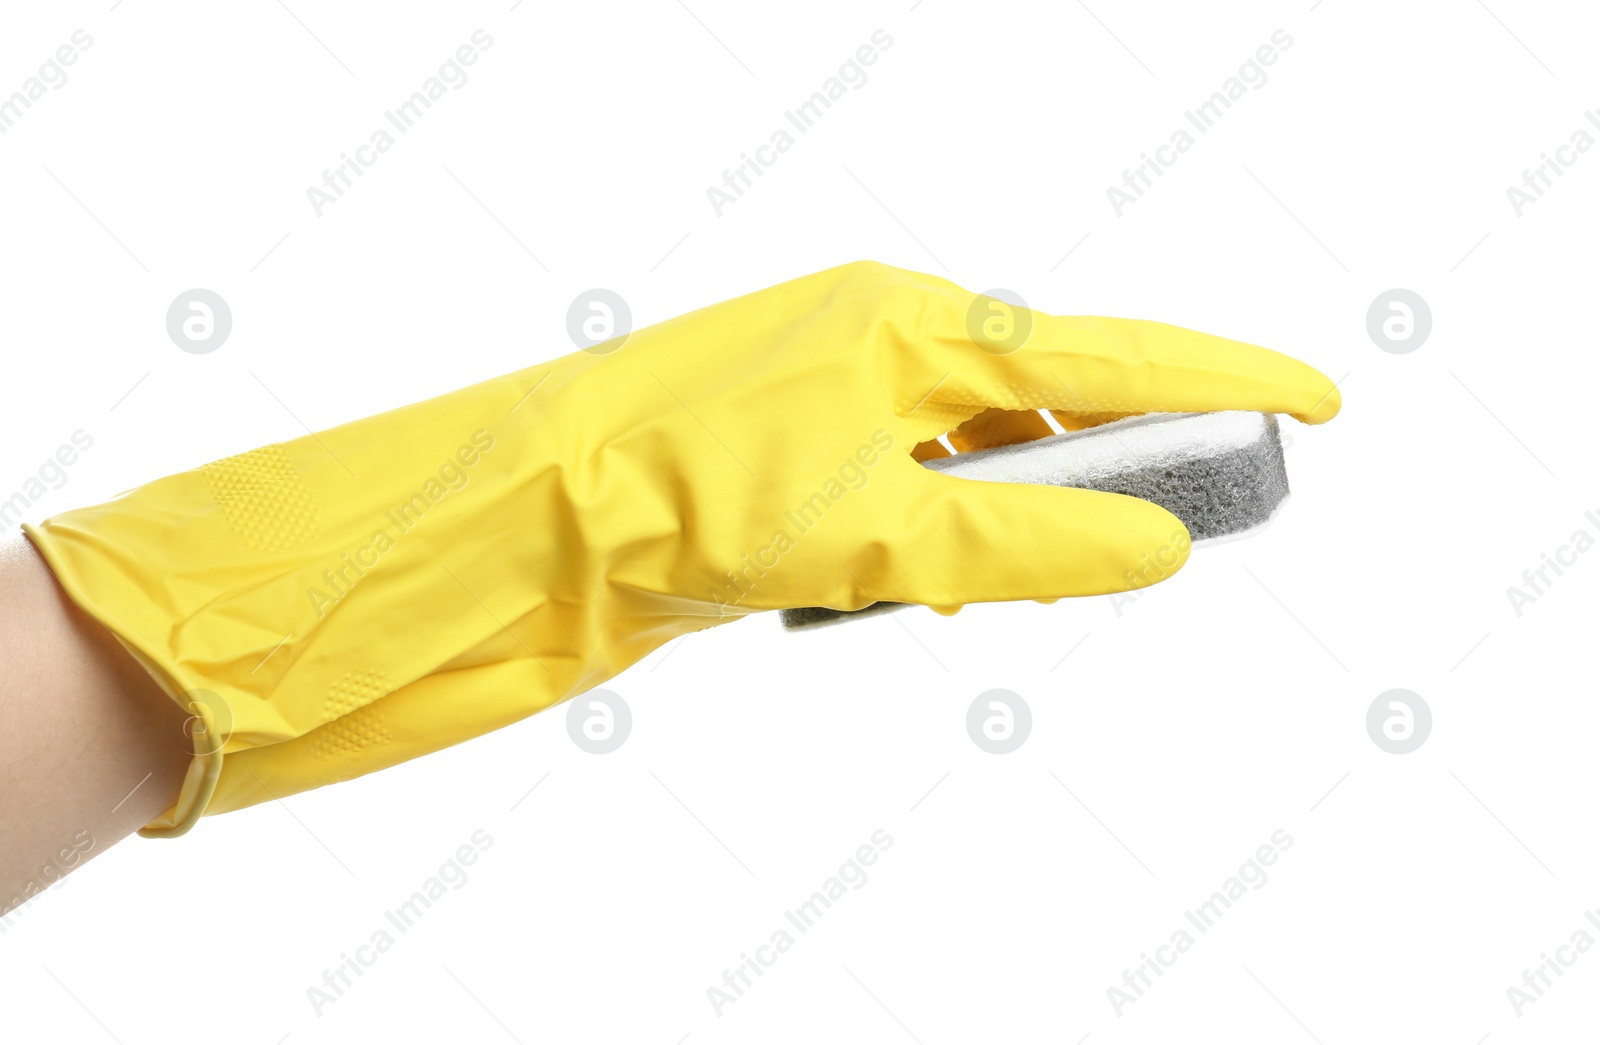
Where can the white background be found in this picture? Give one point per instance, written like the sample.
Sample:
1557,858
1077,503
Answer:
1173,740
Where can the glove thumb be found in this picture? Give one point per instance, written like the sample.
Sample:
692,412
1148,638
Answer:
965,540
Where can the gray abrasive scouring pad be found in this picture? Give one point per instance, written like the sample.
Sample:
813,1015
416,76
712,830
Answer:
1222,474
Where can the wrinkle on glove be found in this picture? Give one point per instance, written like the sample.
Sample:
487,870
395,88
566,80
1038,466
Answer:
339,603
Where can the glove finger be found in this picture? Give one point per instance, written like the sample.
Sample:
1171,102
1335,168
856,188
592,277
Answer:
988,429
1089,365
1078,422
996,427
960,541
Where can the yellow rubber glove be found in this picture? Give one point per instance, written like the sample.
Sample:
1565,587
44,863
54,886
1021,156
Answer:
341,602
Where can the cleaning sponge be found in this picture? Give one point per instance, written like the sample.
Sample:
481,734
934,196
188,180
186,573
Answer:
1221,473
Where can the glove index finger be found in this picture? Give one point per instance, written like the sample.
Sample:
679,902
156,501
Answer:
1099,365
